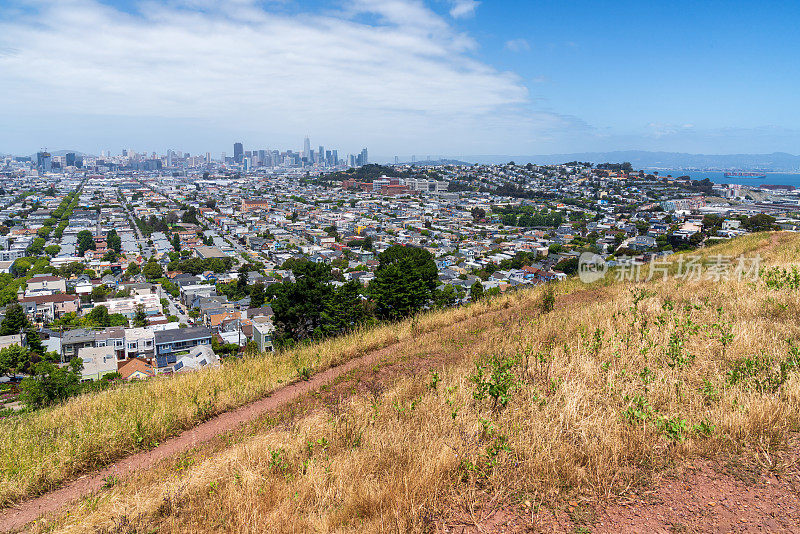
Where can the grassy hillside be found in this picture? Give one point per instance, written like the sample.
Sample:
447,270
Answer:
40,450
620,382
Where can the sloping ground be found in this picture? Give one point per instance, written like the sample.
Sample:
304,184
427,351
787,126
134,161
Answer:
594,412
41,450
398,359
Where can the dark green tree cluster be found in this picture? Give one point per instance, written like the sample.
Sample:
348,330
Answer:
85,242
114,241
152,224
50,384
190,215
197,266
15,322
759,223
404,282
311,307
528,217
152,270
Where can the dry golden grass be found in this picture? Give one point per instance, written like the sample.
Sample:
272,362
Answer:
608,394
40,450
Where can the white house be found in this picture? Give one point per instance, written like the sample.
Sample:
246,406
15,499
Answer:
97,361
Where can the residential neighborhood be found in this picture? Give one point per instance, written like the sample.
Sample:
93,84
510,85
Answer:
177,268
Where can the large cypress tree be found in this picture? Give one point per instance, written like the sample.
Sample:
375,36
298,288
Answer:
404,282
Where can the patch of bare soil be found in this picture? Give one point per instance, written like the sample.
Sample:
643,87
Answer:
731,495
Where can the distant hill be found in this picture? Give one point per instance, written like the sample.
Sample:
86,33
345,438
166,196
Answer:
777,161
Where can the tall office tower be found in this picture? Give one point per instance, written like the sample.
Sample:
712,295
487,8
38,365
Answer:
124,152
321,155
246,163
70,159
262,158
169,158
307,148
364,158
238,152
328,158
335,154
351,160
208,158
44,161
396,160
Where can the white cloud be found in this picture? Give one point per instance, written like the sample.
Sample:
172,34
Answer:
518,45
463,8
407,77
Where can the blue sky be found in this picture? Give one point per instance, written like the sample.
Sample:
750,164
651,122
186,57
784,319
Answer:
449,77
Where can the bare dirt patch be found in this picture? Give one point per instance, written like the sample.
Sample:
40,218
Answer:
704,496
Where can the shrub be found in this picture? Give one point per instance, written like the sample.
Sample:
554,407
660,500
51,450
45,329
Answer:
500,383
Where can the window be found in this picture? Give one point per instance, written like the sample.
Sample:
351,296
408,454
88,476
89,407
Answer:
131,346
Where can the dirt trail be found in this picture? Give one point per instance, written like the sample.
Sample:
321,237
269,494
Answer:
18,516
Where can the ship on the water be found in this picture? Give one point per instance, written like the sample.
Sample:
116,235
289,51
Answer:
750,175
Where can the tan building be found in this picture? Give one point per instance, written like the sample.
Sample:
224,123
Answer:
254,205
46,308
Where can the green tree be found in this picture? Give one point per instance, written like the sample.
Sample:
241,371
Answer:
99,293
140,317
13,359
404,282
36,247
85,242
114,241
345,310
99,316
759,223
190,215
152,271
50,384
568,266
445,297
52,250
21,267
476,291
298,306
14,322
71,269
133,269
257,295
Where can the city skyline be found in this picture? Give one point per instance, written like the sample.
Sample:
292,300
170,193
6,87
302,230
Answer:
404,76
